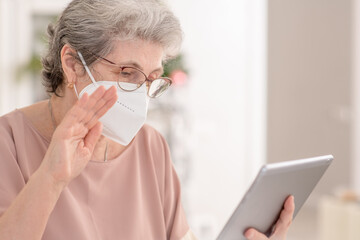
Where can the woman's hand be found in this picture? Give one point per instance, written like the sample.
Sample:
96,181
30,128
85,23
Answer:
75,137
281,226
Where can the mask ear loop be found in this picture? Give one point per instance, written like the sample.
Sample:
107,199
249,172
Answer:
87,68
77,95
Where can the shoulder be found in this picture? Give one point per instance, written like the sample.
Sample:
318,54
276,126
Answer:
14,122
151,136
153,146
16,129
9,124
8,121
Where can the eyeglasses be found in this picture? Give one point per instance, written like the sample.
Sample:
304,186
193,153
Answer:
136,78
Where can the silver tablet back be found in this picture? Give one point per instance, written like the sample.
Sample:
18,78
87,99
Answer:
263,202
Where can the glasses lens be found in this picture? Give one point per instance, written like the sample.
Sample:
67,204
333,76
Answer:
158,87
130,79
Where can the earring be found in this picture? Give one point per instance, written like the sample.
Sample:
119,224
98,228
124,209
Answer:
70,85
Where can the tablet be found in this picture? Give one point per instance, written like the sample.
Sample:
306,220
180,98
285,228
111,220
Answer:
263,202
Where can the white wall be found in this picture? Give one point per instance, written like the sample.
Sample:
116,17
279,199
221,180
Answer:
310,86
16,33
355,180
225,51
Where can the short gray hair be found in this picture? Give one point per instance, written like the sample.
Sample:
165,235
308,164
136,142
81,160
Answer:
91,26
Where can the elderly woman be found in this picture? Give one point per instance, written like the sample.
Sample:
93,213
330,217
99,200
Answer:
81,165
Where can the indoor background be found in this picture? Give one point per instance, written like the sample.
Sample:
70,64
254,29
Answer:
257,81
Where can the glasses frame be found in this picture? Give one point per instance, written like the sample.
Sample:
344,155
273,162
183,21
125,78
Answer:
150,81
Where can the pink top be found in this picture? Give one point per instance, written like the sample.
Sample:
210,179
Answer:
135,196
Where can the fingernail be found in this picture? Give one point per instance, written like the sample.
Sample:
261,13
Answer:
249,234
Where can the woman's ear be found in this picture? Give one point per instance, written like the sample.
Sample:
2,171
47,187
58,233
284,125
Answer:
69,64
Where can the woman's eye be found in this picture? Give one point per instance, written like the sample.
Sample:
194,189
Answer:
125,74
128,76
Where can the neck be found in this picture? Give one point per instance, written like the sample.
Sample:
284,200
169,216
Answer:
61,105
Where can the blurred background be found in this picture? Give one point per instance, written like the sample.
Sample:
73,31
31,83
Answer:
257,81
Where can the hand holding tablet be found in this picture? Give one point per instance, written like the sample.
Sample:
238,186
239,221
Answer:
262,208
280,228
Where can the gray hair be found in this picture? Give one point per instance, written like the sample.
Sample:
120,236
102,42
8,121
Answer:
91,26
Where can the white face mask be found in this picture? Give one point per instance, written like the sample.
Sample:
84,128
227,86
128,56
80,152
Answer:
123,120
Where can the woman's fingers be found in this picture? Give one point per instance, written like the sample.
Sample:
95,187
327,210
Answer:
97,101
285,219
101,107
94,98
75,114
253,234
88,106
93,136
282,225
101,112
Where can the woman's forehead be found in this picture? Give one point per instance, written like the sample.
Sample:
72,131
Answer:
143,54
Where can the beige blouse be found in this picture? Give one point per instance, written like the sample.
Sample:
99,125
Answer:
135,196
